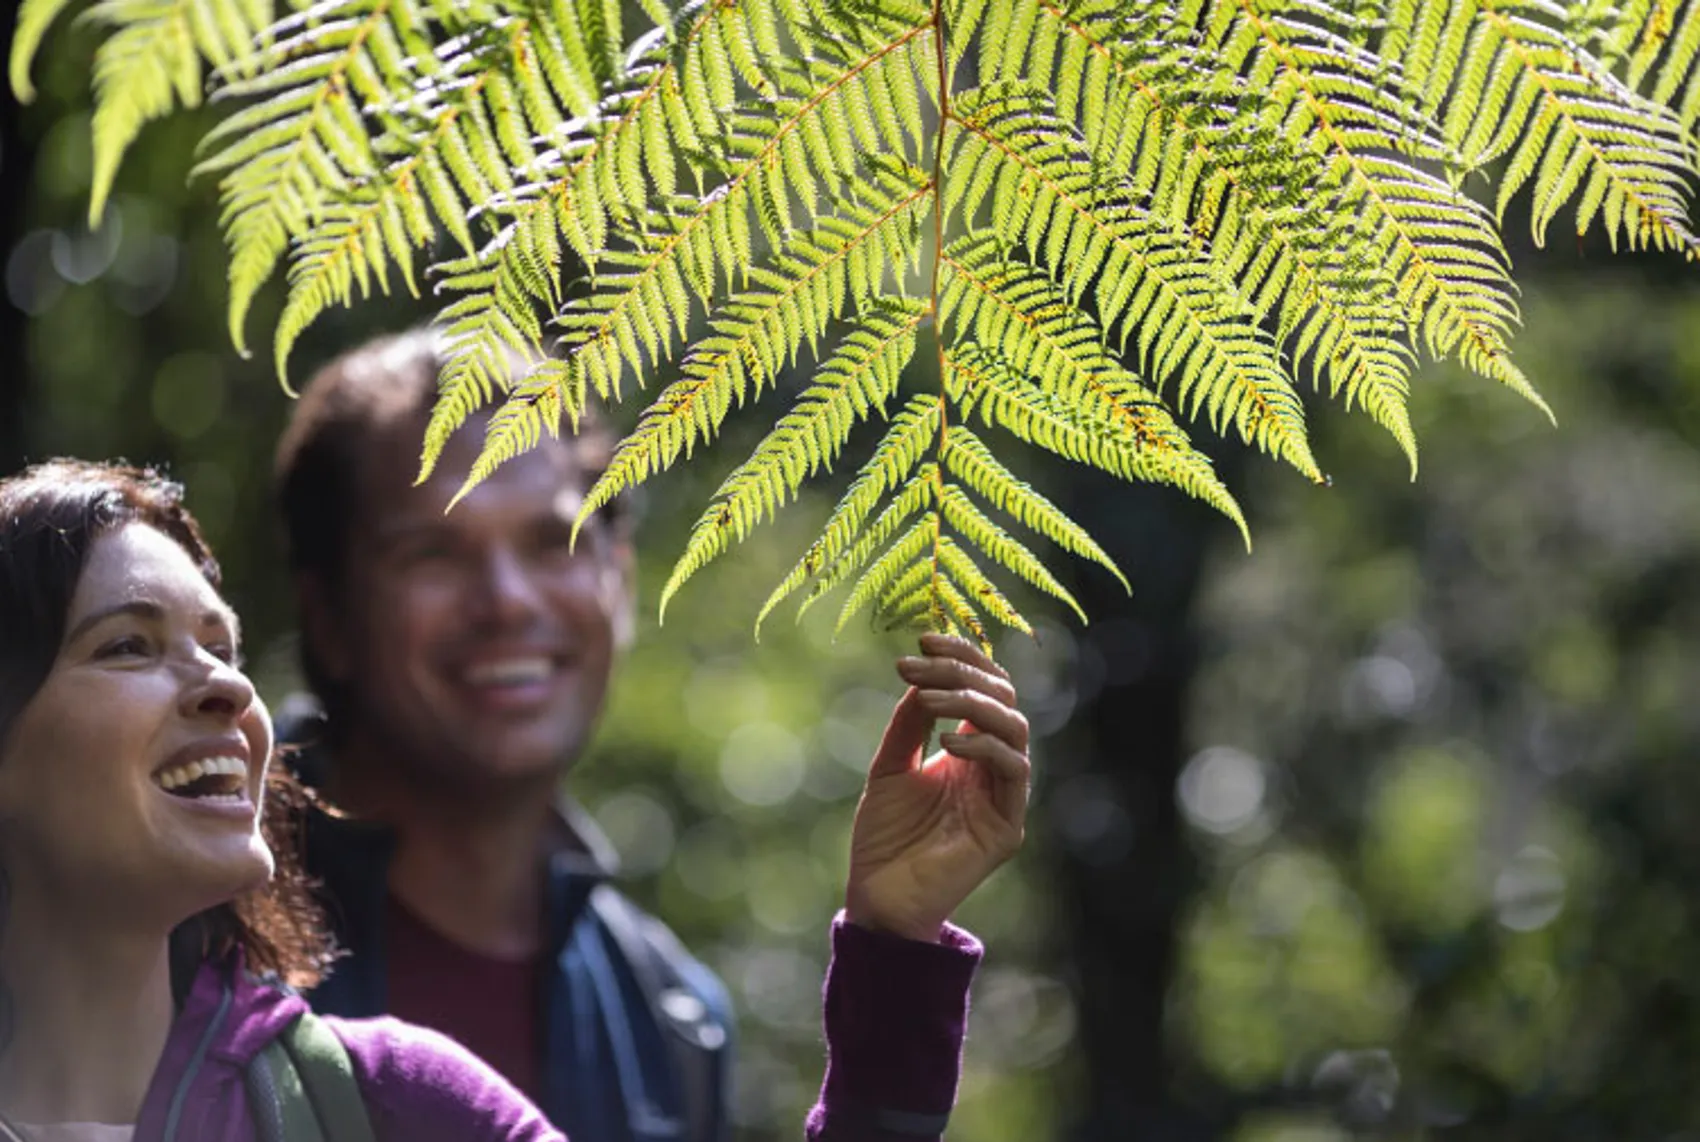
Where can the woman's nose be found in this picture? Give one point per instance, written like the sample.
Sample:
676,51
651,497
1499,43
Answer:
222,691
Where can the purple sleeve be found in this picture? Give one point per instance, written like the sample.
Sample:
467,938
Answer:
896,1012
422,1086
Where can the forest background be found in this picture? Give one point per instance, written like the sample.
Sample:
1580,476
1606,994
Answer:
1384,830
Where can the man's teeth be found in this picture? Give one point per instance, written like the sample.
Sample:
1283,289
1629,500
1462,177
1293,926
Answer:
510,671
180,775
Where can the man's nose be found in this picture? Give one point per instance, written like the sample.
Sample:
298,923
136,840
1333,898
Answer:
506,587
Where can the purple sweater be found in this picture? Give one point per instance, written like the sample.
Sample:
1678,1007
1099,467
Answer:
895,1015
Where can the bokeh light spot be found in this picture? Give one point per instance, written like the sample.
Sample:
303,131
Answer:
761,764
1221,789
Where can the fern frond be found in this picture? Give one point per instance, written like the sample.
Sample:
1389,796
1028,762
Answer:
812,280
843,545
978,381
150,64
1145,280
1107,210
493,325
534,407
954,582
1523,88
966,457
34,18
1150,108
860,377
977,528
629,319
919,543
1015,314
459,146
1439,248
301,143
350,249
1678,85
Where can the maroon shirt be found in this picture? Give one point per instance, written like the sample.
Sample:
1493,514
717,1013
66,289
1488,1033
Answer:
491,1008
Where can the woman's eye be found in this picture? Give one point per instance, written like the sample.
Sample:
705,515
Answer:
225,653
124,647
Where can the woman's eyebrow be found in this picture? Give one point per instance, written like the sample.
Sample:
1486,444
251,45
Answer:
153,612
140,608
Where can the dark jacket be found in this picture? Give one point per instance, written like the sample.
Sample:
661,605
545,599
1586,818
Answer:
637,1033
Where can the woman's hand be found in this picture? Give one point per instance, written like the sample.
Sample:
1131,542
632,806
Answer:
928,832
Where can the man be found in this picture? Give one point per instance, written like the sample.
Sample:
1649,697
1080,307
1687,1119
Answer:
461,659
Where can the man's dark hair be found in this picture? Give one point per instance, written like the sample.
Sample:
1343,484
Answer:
51,516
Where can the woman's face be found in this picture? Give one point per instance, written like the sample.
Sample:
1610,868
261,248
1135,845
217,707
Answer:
131,782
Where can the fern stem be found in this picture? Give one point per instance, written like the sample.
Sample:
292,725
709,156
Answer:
941,52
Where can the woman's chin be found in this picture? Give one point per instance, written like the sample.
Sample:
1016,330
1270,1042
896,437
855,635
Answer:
220,874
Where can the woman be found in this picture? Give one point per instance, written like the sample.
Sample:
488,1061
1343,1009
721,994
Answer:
153,919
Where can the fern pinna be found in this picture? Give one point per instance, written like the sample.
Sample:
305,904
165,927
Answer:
1074,223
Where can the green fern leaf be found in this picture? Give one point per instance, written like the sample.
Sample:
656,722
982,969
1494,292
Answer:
142,71
1145,280
967,458
841,546
1021,319
534,407
301,142
859,378
919,542
978,381
1525,89
1440,248
978,529
1129,81
34,18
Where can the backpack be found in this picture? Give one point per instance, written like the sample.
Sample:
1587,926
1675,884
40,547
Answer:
301,1088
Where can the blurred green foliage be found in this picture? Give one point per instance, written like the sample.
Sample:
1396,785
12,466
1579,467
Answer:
1446,783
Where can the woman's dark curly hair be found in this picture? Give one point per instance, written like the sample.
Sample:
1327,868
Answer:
50,517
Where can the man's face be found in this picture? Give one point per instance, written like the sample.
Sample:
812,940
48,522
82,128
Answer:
474,647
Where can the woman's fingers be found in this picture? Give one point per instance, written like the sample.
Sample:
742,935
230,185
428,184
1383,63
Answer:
955,646
986,713
948,663
905,736
1011,772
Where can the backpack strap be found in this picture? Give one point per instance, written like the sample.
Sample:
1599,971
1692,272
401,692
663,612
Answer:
301,1088
692,1031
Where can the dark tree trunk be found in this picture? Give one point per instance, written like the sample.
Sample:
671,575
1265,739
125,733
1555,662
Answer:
17,162
1124,867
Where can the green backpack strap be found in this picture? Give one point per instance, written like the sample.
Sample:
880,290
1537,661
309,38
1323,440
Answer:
301,1087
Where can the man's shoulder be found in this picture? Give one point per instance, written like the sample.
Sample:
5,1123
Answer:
679,986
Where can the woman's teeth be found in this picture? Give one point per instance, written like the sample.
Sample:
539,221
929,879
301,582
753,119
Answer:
221,769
